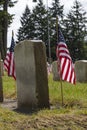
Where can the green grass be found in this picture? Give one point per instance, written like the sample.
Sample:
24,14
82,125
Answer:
73,114
9,87
73,95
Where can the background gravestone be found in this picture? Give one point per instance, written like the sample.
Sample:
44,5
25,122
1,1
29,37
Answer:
56,76
81,70
31,73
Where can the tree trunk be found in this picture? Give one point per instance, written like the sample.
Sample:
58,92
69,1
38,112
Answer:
1,44
5,26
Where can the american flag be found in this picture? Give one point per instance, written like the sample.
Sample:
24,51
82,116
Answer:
9,64
66,67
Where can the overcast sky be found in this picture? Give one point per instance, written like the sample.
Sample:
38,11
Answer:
19,8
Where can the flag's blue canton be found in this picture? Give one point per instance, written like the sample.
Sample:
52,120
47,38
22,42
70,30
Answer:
12,45
60,36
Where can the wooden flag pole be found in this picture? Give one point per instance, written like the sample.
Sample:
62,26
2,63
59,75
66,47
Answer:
13,37
59,61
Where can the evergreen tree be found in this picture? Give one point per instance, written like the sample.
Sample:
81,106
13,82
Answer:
75,30
40,20
34,24
5,20
41,23
56,9
37,24
26,31
56,12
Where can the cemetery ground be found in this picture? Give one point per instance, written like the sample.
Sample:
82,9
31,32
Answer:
72,116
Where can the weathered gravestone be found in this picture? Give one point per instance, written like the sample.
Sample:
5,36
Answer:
81,70
2,69
31,73
56,76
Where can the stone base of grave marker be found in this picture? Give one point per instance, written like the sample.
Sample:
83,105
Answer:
31,73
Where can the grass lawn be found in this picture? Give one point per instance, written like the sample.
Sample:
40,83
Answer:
71,116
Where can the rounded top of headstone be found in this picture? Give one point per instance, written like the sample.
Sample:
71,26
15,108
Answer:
54,62
29,42
36,40
81,61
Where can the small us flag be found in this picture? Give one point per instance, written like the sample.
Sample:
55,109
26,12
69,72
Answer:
9,64
66,67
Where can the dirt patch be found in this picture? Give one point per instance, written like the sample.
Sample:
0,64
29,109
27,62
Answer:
10,104
63,122
45,122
